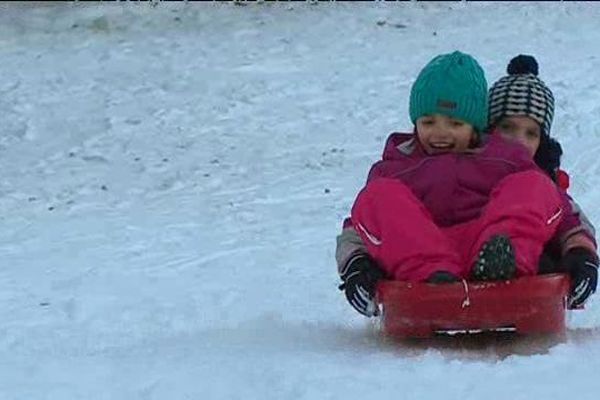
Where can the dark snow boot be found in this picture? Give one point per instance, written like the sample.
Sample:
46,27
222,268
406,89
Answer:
442,277
496,260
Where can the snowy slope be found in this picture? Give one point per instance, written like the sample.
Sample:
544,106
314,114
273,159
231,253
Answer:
173,178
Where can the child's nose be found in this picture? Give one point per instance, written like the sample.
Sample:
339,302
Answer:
442,132
521,138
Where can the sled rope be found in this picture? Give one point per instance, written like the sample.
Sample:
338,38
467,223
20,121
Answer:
467,301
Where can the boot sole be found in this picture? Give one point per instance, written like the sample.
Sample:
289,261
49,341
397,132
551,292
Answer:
496,260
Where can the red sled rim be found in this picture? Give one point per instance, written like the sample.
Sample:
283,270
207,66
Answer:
527,305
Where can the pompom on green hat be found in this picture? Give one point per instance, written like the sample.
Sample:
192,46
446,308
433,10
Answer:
454,85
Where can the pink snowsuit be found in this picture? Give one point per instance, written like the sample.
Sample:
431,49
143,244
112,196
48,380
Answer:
421,213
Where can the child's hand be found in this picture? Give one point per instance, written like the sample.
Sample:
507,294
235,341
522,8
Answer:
360,279
582,265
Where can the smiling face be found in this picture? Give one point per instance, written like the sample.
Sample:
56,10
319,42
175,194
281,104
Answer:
441,134
521,129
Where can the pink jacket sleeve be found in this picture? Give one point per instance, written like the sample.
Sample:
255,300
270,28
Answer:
575,230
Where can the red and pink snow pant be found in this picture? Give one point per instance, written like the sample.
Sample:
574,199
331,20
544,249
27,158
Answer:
401,236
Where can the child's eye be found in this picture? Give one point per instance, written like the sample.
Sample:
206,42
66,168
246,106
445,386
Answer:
457,124
533,134
506,128
427,122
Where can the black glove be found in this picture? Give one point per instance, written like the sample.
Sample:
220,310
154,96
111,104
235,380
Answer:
582,265
547,156
360,277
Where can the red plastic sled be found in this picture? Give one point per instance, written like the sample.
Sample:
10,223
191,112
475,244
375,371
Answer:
528,305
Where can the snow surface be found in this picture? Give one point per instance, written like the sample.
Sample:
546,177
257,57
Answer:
173,178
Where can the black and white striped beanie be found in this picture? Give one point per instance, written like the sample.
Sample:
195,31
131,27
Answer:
522,93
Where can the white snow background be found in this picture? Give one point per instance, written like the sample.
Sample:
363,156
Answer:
172,179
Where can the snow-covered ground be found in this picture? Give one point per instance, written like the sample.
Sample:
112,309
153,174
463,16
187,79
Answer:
172,179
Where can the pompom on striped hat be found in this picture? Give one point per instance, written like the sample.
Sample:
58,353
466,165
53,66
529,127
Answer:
522,93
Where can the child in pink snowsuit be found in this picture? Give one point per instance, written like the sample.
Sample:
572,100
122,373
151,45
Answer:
420,214
447,202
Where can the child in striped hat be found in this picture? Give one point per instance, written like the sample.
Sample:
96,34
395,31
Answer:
521,107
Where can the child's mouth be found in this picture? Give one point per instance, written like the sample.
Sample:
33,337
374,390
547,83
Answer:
441,146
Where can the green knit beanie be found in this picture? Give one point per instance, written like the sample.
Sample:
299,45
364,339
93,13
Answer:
454,85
